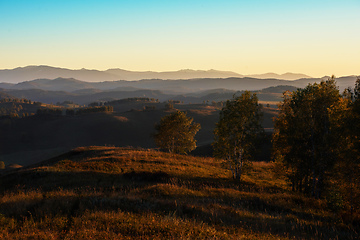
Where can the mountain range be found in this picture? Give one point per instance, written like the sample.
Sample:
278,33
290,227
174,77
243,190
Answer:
193,90
173,86
29,73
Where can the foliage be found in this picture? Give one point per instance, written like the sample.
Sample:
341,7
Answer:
86,110
176,133
16,108
2,165
66,103
15,100
128,100
304,139
49,111
346,174
334,200
237,130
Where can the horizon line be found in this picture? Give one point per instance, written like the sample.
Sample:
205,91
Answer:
144,71
253,75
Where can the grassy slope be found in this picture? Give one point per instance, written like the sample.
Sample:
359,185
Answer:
112,193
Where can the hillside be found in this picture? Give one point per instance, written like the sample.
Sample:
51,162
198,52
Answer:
126,193
84,96
175,86
192,90
28,140
5,95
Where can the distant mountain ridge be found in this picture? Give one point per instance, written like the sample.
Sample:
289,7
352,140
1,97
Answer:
193,90
173,86
28,73
188,90
285,76
172,75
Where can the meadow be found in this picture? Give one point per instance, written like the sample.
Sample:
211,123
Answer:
105,192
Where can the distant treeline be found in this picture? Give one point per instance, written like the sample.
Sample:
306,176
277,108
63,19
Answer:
17,107
21,107
80,111
130,100
124,101
19,100
72,111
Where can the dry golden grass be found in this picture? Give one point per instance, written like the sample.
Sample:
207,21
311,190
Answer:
125,193
205,111
121,118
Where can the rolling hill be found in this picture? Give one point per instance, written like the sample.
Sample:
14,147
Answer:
188,91
86,96
126,193
5,95
27,140
173,86
83,96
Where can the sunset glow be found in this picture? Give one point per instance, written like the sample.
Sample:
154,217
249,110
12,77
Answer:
316,38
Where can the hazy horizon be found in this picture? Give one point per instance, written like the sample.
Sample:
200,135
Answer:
149,70
315,38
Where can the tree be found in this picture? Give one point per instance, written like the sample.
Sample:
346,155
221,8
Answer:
237,130
303,139
176,133
346,127
2,165
169,106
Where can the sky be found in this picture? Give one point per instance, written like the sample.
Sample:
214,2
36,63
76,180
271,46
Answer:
316,37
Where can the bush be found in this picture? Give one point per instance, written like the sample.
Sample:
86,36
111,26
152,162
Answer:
334,200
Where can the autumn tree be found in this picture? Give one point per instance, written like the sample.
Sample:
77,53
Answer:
176,132
346,127
2,165
237,130
303,139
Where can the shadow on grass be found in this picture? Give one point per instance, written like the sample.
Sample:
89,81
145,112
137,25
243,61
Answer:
95,191
76,205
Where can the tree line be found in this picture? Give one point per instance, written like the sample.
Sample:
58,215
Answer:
126,100
236,132
72,111
316,139
17,107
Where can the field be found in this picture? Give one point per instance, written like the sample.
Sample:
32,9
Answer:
127,193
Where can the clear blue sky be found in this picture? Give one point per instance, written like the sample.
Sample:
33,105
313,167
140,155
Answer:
312,37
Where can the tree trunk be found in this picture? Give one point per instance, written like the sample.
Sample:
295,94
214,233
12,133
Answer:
313,163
